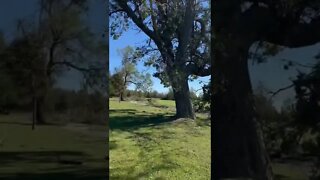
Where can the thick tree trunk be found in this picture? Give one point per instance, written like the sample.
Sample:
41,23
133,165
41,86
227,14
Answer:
238,147
121,98
34,112
41,100
40,110
182,99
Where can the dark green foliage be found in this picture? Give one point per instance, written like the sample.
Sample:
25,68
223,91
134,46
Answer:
294,131
128,74
307,89
201,106
116,84
270,122
19,63
77,106
202,103
307,108
62,104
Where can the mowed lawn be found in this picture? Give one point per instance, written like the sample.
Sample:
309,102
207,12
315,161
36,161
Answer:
145,143
73,151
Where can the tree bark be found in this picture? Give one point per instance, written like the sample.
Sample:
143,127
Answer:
238,147
40,99
182,98
121,96
34,112
40,110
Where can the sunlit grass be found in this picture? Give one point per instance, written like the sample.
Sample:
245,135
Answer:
154,146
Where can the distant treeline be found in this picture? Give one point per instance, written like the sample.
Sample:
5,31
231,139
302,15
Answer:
152,94
62,105
57,100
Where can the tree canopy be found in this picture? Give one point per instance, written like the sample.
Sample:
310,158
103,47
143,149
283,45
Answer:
178,40
238,25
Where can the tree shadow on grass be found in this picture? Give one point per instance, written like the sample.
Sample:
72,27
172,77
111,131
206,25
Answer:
129,172
37,156
54,165
138,121
150,167
280,177
146,142
89,174
29,123
130,111
17,123
112,145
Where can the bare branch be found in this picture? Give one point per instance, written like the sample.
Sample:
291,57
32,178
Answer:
81,69
280,90
116,11
137,20
129,81
297,63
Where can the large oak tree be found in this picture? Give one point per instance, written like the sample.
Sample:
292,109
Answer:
238,148
178,41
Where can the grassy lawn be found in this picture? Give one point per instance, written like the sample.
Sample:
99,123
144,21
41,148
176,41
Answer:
50,151
168,103
290,171
145,143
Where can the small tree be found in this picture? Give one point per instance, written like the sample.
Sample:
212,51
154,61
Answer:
128,74
59,40
117,82
128,70
144,83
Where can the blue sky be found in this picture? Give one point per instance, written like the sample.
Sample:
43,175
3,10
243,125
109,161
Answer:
134,39
271,74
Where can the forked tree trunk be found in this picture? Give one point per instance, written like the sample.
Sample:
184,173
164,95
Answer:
238,147
182,98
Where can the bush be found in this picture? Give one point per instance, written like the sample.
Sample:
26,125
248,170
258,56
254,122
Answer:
201,106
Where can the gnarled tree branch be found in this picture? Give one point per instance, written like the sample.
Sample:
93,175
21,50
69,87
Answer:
81,69
193,69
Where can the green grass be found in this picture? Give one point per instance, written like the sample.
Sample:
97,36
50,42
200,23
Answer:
145,143
40,153
290,171
168,103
